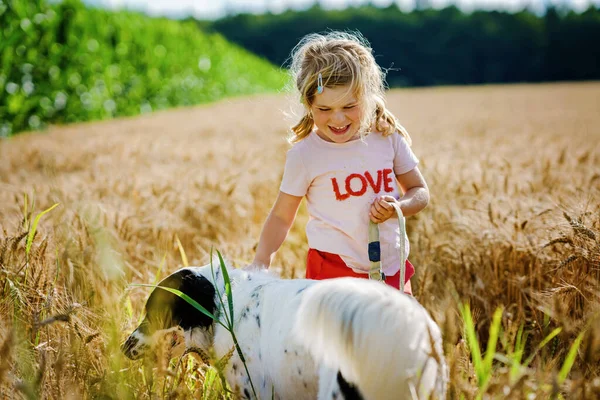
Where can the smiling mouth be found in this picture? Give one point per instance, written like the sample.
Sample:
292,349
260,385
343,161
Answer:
339,130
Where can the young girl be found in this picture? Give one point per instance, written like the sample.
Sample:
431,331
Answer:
350,159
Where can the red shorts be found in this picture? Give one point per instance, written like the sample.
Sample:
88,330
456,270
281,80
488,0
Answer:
322,265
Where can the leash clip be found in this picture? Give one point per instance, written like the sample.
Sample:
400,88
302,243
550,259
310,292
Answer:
376,270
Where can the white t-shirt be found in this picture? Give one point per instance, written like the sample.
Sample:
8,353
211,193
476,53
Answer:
340,182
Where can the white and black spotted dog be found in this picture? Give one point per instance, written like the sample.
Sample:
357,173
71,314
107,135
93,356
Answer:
345,338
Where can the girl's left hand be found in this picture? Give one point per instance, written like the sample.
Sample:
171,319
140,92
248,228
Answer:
382,209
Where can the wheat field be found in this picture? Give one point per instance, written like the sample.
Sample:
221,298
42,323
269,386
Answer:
513,222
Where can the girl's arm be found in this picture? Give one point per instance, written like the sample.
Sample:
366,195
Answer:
276,228
416,197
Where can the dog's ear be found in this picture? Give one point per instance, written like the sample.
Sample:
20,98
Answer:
165,309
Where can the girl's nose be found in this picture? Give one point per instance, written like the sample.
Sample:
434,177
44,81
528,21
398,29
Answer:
338,117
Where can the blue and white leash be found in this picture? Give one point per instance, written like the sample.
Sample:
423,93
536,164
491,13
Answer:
376,272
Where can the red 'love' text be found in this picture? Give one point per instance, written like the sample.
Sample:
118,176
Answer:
357,184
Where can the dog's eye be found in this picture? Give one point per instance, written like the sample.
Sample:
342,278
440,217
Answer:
134,353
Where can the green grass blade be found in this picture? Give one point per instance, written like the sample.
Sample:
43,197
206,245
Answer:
230,319
219,296
570,360
543,343
208,390
227,285
472,342
517,354
31,233
491,345
187,298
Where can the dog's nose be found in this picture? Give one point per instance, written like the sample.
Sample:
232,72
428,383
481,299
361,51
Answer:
128,348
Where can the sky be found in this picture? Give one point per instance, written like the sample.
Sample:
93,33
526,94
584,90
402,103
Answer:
212,9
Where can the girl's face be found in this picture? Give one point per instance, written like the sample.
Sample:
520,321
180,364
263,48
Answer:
337,114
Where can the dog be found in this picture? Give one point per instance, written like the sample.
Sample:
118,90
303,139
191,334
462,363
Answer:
344,338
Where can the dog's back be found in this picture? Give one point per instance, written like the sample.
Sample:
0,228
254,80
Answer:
376,342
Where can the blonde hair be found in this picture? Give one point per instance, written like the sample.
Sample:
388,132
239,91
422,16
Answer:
341,58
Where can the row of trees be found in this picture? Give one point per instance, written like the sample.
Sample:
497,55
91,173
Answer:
63,62
447,46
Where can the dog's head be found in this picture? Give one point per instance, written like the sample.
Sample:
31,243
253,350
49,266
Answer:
167,313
